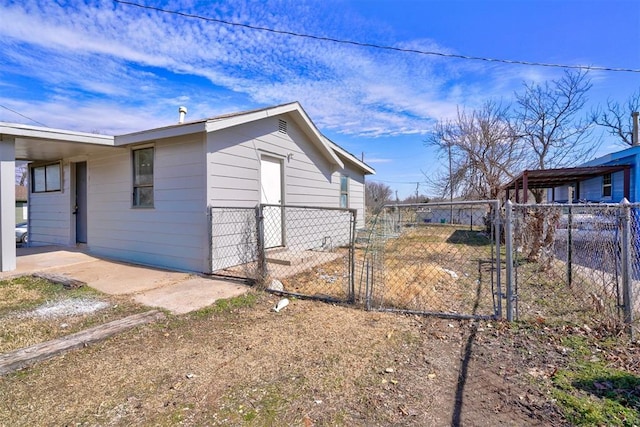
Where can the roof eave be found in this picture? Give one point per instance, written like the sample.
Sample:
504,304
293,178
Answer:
16,130
351,158
161,133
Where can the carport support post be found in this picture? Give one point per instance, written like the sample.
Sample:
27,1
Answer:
627,297
508,242
7,205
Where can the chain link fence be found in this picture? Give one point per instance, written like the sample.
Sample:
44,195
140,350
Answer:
574,263
292,250
435,258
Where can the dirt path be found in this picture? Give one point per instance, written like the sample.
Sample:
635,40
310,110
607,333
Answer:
311,364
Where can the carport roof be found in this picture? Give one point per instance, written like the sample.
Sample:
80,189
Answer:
549,178
45,144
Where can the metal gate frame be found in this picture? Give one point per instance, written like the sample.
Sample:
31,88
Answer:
369,275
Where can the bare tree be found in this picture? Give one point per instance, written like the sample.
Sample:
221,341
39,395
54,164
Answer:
377,195
22,170
617,117
550,125
549,122
482,151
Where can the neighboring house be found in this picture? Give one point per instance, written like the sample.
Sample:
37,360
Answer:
607,179
22,195
144,197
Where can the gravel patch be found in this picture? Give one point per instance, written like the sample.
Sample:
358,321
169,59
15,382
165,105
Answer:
67,307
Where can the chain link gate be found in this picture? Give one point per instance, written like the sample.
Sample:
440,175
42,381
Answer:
438,259
574,262
293,250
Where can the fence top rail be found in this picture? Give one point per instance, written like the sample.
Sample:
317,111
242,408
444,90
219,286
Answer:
233,207
323,208
575,205
283,206
461,202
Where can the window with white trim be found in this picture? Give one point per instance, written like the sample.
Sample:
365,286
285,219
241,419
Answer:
606,185
143,177
46,178
344,191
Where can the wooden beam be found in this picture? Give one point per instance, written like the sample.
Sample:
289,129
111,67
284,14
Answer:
66,282
27,356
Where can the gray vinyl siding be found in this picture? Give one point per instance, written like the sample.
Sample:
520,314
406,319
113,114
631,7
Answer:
192,173
356,192
171,234
233,159
234,165
50,215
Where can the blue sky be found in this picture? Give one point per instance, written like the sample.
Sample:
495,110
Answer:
107,67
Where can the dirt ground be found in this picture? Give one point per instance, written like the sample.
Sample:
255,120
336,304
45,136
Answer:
310,364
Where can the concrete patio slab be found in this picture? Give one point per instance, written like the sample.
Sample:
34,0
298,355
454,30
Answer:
190,295
117,278
178,292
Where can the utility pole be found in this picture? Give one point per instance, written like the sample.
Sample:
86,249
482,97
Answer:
417,186
450,187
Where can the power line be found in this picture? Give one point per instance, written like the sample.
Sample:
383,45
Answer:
22,115
377,46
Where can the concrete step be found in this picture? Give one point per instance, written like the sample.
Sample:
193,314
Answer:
288,258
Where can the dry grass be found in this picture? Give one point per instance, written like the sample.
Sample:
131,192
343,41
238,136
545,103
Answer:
27,316
427,268
238,363
437,269
327,279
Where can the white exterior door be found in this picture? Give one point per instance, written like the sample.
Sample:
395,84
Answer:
271,193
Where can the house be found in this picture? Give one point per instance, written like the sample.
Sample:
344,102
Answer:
22,193
607,179
144,197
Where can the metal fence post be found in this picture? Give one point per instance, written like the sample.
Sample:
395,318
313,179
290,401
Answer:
570,245
627,271
367,299
497,225
352,256
261,259
508,237
210,242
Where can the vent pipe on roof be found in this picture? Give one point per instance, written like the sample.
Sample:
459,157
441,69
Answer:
183,112
634,136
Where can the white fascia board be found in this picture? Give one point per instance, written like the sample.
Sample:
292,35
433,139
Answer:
240,119
160,133
351,158
24,131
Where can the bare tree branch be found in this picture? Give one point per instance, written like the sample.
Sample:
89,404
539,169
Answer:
617,118
549,123
377,195
482,149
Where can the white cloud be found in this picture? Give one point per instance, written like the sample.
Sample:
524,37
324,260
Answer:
121,61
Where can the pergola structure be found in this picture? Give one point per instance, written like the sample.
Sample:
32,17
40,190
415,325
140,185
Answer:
552,178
